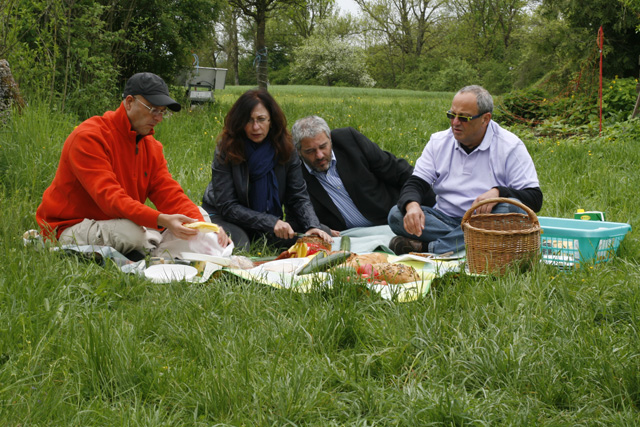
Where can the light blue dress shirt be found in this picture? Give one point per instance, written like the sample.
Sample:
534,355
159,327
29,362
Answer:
331,182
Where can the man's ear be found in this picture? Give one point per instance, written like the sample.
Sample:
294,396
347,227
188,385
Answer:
128,101
487,118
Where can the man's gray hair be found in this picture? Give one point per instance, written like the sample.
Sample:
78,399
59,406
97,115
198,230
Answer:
483,97
308,127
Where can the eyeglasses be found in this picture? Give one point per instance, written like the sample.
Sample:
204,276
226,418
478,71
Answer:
451,116
155,111
259,120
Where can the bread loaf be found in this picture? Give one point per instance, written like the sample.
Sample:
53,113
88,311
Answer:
396,273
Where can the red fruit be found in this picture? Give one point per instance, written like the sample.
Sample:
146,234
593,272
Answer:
365,269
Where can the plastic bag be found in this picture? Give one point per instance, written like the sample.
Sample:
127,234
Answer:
202,243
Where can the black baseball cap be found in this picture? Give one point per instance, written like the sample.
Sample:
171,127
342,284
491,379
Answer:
153,88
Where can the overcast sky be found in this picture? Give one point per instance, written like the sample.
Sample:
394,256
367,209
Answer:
348,6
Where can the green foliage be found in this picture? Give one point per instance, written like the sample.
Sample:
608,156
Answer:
454,74
496,77
619,97
621,39
384,67
569,114
524,105
160,36
77,53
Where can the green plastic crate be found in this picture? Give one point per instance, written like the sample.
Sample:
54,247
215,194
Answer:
569,242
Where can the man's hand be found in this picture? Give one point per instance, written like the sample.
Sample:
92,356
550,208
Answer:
317,232
414,219
491,194
283,230
174,223
335,233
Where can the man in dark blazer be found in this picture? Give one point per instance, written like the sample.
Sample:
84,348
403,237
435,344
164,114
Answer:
351,181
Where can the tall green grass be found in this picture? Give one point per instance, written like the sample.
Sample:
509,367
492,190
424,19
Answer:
82,344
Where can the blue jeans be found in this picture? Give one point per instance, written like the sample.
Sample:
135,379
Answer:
441,232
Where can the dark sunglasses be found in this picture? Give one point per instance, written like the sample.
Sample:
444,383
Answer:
451,116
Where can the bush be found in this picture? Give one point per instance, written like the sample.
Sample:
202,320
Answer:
618,98
455,74
522,106
534,106
496,77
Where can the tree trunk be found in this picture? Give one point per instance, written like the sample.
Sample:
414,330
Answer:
636,109
235,54
261,49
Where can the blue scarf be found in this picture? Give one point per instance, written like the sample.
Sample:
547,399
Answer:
263,184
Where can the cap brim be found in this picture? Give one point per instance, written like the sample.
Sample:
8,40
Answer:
163,100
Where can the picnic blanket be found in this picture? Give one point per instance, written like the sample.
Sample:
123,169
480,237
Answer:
282,274
366,239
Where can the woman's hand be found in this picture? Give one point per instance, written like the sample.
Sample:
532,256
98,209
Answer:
223,238
283,230
317,232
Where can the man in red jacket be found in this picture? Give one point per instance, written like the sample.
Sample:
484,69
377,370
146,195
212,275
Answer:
110,165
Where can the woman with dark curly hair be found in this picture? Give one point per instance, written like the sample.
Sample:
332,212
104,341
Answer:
255,172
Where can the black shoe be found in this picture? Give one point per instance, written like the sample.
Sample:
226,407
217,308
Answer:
403,245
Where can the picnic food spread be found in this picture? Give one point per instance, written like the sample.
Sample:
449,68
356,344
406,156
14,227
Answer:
373,267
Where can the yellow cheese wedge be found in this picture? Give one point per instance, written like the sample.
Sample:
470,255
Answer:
204,227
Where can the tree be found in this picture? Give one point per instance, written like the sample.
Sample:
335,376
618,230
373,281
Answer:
329,60
259,11
619,20
159,35
405,23
226,40
305,19
486,26
78,53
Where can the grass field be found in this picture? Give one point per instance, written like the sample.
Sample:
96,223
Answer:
85,345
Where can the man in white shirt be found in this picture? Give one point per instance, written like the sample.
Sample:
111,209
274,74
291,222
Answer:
474,160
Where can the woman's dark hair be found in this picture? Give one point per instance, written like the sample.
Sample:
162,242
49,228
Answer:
231,140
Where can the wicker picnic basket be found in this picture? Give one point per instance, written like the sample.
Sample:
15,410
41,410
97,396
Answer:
495,241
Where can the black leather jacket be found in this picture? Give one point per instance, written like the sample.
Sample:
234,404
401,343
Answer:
228,195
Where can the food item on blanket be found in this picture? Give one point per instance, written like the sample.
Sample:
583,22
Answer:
305,246
203,227
315,240
384,273
422,254
320,262
375,257
241,262
299,250
395,273
285,254
313,248
345,243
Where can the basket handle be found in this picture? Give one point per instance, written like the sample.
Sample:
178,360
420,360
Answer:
532,215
